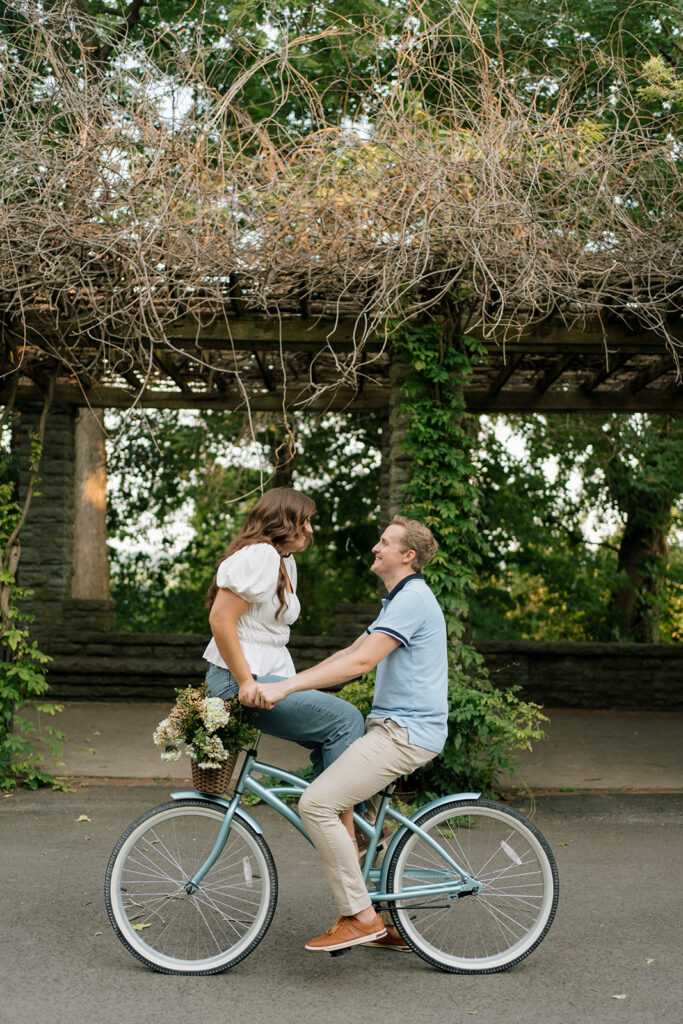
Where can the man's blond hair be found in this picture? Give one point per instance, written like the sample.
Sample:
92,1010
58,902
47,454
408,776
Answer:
419,539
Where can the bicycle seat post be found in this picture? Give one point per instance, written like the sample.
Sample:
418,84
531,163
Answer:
386,795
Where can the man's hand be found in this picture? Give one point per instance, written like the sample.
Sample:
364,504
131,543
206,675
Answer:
248,692
270,693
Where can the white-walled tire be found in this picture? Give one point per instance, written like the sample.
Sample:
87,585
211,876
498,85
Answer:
485,933
163,926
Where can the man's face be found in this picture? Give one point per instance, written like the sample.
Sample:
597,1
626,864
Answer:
390,554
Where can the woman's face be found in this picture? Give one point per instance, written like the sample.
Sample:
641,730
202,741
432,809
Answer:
301,540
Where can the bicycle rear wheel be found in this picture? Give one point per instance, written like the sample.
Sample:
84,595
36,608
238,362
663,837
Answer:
485,933
153,916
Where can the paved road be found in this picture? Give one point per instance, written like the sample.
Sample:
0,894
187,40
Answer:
617,932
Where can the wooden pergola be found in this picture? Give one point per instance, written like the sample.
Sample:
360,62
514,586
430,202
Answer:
304,357
228,359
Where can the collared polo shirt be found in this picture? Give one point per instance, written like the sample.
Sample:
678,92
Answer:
411,686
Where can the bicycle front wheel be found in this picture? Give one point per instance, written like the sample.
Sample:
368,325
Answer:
488,932
154,917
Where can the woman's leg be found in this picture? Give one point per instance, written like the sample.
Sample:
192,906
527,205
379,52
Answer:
326,725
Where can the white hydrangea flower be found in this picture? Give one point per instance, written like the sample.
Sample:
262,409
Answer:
165,734
215,749
208,764
214,713
172,754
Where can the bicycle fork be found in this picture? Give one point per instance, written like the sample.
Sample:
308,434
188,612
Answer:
221,839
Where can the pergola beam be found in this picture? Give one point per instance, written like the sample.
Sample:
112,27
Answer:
338,399
548,367
370,399
553,373
163,360
577,400
656,369
219,329
504,375
606,371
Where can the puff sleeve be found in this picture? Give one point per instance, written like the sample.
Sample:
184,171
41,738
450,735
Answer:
251,572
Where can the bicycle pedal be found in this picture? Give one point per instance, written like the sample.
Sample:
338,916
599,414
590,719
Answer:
340,952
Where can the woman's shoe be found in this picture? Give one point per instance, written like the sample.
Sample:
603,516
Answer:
364,840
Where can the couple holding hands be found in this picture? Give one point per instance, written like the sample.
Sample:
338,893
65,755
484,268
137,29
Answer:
253,603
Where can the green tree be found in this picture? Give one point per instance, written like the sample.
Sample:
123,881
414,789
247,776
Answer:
547,576
173,473
340,60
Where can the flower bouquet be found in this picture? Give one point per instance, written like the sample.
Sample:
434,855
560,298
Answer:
212,730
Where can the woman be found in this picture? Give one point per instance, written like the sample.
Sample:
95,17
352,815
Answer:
253,603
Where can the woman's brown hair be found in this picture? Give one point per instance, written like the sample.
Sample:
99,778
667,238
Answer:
276,518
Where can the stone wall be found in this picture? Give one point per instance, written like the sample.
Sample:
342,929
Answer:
143,666
590,675
149,667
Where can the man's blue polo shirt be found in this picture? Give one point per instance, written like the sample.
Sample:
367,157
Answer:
411,686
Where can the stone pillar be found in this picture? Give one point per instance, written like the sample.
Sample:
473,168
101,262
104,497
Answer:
90,562
396,463
46,563
49,564
385,449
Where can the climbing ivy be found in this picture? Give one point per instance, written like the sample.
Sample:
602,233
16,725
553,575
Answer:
22,664
22,679
486,725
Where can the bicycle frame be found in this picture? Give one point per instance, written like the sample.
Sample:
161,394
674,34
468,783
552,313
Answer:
460,883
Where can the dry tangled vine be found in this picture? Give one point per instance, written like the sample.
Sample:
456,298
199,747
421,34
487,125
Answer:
133,193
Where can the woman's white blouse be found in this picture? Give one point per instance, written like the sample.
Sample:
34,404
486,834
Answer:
252,574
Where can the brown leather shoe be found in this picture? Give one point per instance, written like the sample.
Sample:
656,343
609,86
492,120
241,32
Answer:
348,931
392,940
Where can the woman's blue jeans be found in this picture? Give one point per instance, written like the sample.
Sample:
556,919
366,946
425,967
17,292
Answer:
326,725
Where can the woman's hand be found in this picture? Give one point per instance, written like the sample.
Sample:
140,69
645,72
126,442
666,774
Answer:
270,694
247,693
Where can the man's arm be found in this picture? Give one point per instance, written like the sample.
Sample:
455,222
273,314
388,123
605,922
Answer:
362,656
344,651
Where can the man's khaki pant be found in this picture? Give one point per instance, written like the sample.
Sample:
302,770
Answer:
366,767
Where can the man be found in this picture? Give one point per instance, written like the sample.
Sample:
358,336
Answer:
406,727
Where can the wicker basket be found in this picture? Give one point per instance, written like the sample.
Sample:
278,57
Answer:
214,780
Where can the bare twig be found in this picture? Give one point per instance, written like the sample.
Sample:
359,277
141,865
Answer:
131,199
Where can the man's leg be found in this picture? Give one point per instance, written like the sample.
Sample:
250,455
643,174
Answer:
370,765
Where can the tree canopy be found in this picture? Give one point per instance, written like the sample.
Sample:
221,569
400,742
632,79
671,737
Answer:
583,529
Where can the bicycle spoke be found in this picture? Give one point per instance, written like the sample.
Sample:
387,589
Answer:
489,930
159,920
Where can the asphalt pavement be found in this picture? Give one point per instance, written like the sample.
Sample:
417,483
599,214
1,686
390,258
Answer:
606,789
611,955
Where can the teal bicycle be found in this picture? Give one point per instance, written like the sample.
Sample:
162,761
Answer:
191,886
